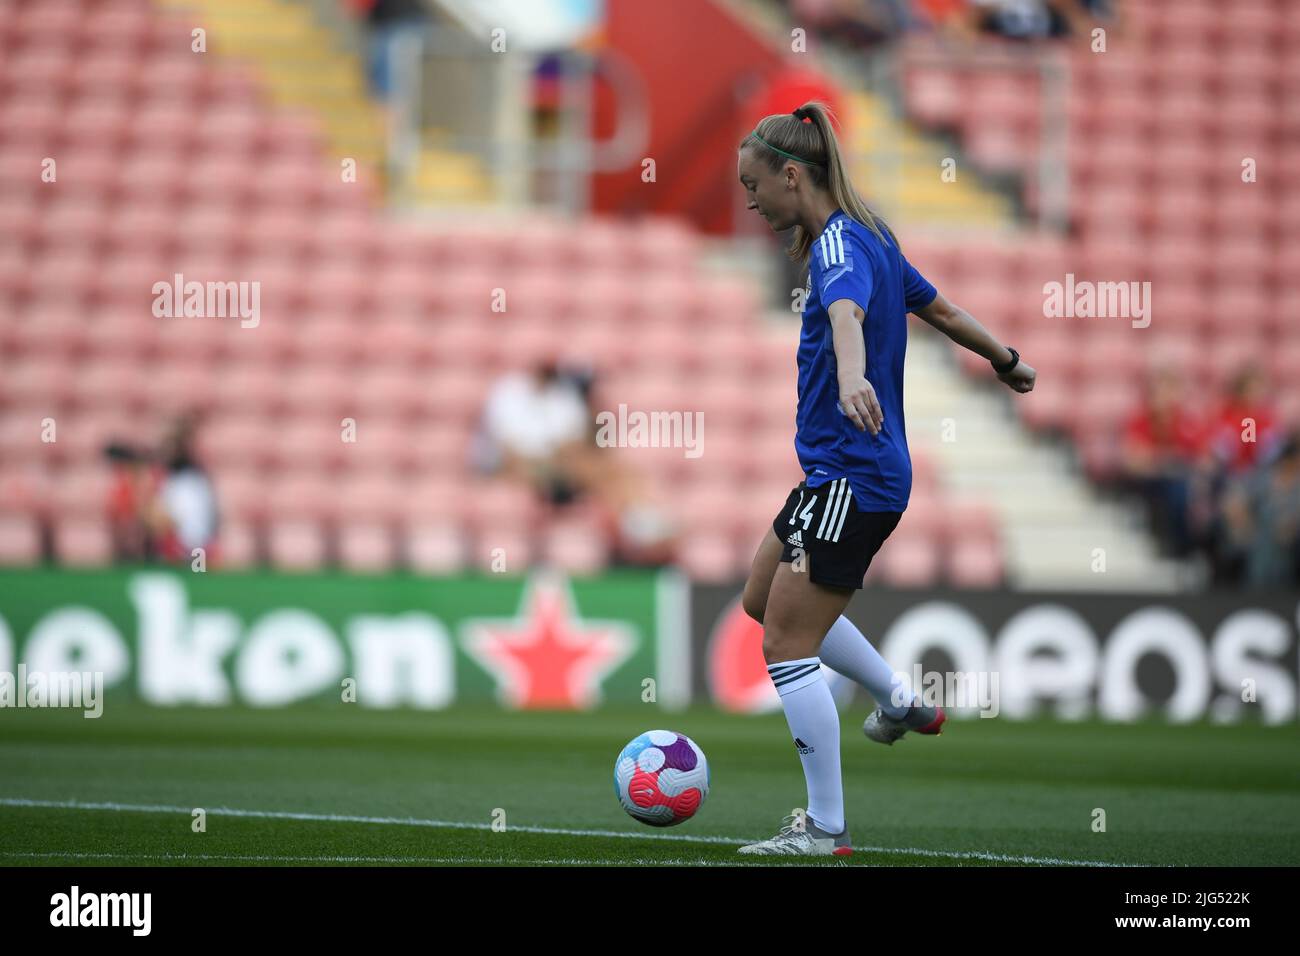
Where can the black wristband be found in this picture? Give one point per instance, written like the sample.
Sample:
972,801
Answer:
1015,360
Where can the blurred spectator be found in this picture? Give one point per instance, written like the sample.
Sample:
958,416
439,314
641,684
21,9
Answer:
397,31
953,17
185,510
130,498
532,424
540,428
391,23
1037,19
861,23
1245,427
1164,447
1262,521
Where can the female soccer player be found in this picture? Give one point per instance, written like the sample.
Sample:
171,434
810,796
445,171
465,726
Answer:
852,446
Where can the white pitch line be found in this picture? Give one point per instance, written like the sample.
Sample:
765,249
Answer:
351,818
239,858
556,831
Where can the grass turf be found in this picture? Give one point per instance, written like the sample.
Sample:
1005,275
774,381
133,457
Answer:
424,787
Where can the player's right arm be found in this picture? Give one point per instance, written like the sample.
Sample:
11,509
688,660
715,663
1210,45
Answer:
962,327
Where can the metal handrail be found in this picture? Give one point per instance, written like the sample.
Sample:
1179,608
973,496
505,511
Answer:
574,154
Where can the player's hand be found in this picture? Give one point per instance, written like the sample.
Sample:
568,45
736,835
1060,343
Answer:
1020,379
858,401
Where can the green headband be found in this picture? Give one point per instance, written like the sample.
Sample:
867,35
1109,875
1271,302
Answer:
797,159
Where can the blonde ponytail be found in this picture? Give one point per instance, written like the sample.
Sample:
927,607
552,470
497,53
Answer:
785,136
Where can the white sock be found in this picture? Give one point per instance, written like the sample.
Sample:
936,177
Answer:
815,724
845,649
842,688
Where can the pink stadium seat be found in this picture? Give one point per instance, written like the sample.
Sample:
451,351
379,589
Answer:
241,490
366,547
20,541
969,521
502,548
435,548
710,558
82,541
387,393
1049,404
575,546
305,495
708,508
81,491
373,496
496,505
237,545
1285,362
306,442
975,563
296,545
934,94
1103,404
910,562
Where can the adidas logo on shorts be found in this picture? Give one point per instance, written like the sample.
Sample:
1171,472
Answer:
795,539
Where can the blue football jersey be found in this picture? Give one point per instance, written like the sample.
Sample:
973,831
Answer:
849,261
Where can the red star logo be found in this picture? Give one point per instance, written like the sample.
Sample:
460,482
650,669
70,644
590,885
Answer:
548,657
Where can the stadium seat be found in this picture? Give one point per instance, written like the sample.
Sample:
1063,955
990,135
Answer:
435,548
296,545
82,541
366,547
20,541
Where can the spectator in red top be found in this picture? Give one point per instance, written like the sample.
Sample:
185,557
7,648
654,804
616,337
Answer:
1245,428
1163,434
129,496
1164,453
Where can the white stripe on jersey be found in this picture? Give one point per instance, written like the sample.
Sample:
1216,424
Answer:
832,243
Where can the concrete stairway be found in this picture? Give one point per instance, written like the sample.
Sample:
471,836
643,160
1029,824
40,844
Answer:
1053,523
309,62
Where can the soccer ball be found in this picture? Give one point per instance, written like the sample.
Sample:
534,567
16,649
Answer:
661,778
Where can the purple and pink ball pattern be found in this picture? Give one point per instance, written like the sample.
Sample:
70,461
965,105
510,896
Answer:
661,778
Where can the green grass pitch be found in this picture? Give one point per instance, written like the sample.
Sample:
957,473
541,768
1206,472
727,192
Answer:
320,785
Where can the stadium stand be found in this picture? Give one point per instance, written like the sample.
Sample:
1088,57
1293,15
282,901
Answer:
362,317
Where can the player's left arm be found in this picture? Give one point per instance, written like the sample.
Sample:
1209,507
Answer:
857,396
963,328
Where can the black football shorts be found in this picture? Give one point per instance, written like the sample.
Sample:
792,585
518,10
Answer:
825,525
